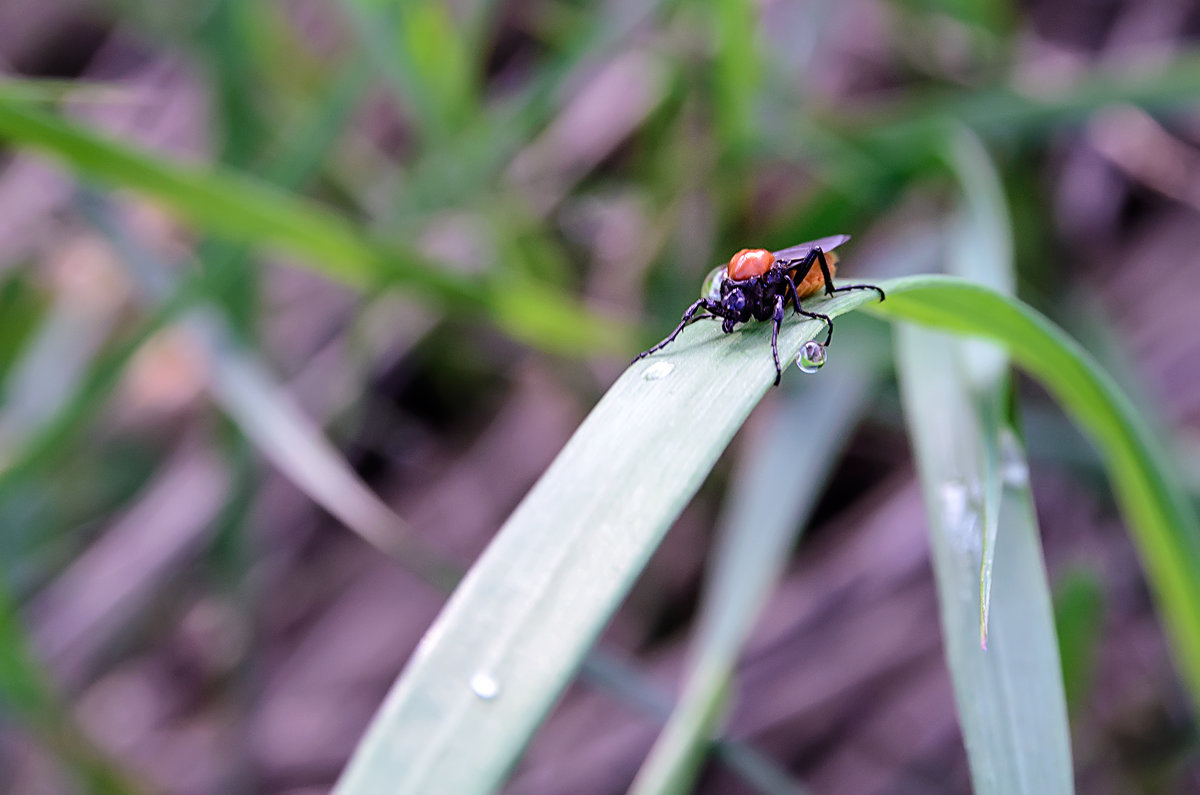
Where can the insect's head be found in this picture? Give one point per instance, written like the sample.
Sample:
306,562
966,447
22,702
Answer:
734,302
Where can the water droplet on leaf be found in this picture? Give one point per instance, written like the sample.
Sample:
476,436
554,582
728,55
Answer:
1014,470
811,357
485,686
711,288
658,370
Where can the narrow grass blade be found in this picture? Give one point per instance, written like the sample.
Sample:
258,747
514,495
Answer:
517,628
281,431
633,687
48,91
25,694
1010,698
738,71
422,53
1078,614
223,202
266,414
981,250
1161,519
231,205
909,128
770,499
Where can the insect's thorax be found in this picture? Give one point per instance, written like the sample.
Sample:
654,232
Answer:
760,293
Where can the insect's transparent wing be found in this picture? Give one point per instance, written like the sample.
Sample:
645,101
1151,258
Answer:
801,251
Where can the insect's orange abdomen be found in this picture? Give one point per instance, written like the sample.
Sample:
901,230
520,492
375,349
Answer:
813,281
750,262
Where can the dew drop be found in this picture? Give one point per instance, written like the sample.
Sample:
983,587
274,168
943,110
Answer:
1014,470
811,357
711,289
955,502
658,370
485,686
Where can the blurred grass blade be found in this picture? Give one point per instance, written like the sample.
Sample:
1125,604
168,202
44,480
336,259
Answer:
888,140
49,91
280,430
231,205
517,628
981,250
1078,615
913,125
27,695
783,471
267,415
633,687
738,71
1161,520
423,54
1010,698
220,201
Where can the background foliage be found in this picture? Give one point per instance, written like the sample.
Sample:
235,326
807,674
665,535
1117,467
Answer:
274,271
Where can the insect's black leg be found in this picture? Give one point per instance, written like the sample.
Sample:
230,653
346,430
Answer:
776,322
825,272
688,317
849,287
817,315
829,288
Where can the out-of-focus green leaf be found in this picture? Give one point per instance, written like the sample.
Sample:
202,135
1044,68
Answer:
517,628
1162,521
422,53
46,90
1009,695
521,622
239,95
883,140
738,70
1078,614
981,251
26,694
773,492
233,206
20,309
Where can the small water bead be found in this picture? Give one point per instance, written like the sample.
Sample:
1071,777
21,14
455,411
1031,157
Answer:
1014,470
485,686
711,289
811,357
657,371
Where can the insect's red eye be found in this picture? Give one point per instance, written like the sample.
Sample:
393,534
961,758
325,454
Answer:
750,262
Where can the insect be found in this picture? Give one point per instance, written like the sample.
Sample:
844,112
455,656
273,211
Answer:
758,284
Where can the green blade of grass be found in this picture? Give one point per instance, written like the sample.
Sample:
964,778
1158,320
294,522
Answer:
265,412
516,629
223,202
981,250
422,53
635,689
514,632
233,206
1014,110
769,502
1078,616
1161,520
27,696
48,91
883,140
737,71
1010,698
